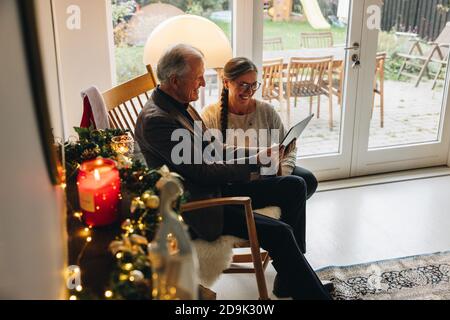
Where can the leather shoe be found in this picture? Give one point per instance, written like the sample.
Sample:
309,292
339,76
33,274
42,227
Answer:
329,286
281,287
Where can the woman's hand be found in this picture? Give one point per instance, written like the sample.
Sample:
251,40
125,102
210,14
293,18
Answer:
290,147
270,158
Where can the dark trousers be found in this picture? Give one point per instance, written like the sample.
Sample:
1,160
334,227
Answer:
278,237
309,178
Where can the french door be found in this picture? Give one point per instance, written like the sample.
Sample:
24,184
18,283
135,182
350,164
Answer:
380,122
415,128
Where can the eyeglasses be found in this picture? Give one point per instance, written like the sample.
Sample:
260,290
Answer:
244,86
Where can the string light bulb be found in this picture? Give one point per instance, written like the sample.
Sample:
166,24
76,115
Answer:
128,266
108,294
73,297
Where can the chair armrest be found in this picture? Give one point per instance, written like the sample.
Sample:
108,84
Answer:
194,205
407,34
244,201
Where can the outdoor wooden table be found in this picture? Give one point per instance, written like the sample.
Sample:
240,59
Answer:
338,54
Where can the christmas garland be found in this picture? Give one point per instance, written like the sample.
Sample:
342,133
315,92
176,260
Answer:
131,277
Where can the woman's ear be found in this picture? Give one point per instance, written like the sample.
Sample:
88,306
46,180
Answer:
226,83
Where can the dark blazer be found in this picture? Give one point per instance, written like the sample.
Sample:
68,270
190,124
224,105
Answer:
154,127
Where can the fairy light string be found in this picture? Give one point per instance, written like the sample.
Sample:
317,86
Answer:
131,276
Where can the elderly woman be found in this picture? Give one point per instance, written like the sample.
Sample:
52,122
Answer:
237,109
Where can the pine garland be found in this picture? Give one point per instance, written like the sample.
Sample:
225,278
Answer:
131,277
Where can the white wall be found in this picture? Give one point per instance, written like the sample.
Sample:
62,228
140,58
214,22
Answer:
48,49
32,223
85,55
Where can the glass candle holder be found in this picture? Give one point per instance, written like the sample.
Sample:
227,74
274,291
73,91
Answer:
123,145
99,191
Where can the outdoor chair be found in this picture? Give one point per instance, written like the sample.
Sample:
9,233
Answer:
272,80
379,84
311,77
325,40
316,39
416,56
123,103
274,44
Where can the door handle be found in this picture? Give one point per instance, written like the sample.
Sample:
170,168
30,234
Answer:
354,47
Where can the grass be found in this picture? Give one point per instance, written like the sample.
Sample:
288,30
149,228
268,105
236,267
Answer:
290,32
129,63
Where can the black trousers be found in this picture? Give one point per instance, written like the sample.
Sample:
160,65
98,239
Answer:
279,237
310,180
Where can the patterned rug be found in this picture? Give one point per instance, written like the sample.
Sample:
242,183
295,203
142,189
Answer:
424,277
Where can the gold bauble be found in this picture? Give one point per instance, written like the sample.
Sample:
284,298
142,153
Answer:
127,225
146,195
152,202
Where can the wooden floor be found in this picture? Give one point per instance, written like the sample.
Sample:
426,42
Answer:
365,224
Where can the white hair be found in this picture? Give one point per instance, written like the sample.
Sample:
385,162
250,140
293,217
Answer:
175,61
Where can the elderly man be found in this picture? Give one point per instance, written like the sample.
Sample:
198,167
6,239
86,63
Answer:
180,72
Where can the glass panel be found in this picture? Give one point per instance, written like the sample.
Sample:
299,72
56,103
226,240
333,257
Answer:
304,30
408,90
134,20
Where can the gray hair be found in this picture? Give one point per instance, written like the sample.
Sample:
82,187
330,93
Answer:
175,61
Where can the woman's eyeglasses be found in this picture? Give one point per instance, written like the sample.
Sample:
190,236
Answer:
244,86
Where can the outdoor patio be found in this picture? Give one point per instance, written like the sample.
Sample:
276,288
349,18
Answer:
412,115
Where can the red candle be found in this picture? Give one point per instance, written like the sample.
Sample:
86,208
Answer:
99,191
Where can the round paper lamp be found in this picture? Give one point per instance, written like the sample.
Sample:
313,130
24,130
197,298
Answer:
196,31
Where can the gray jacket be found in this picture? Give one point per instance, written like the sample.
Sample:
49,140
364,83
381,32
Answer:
154,128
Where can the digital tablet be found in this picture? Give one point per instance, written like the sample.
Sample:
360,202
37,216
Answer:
296,131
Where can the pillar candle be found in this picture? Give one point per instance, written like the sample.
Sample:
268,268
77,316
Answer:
99,191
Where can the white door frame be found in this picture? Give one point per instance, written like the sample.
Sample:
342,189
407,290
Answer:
354,158
332,166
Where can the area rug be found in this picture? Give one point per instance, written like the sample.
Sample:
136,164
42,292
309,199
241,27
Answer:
424,277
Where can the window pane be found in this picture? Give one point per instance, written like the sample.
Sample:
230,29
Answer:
134,20
410,76
297,33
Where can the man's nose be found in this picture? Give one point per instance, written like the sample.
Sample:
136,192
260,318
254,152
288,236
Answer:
203,82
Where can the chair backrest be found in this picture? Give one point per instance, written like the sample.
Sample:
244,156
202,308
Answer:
275,43
316,39
124,102
272,77
308,73
443,40
444,36
381,59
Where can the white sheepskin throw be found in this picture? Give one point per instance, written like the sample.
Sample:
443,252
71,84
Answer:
216,256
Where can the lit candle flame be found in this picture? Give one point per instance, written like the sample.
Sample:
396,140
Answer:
96,175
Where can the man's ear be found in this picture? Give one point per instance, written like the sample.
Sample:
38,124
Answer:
173,80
